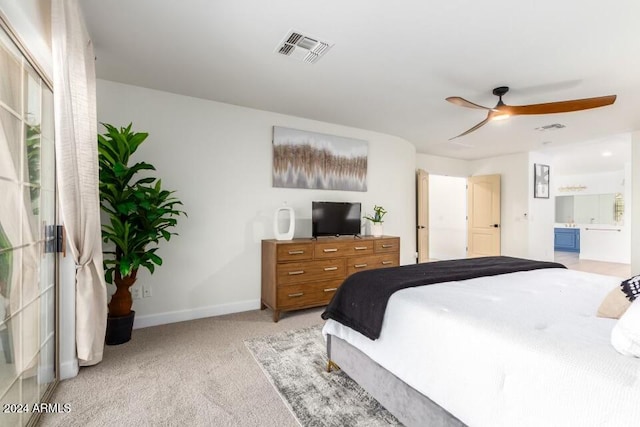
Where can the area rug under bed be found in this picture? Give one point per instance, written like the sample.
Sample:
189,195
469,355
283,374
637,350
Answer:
295,363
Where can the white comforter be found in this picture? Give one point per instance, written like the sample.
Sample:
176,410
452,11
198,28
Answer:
520,349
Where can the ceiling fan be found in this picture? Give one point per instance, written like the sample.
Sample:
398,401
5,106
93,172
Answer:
503,111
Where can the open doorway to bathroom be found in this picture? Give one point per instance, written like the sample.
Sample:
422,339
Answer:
592,192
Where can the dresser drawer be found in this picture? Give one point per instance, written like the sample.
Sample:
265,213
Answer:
295,251
307,294
299,272
371,262
342,248
387,245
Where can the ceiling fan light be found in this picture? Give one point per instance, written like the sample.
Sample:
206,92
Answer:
503,116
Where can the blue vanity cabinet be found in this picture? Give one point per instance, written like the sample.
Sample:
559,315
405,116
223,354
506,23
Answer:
566,239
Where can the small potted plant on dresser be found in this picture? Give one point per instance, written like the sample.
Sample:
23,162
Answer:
140,214
376,220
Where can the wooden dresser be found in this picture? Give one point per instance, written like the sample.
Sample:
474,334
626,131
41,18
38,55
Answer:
303,273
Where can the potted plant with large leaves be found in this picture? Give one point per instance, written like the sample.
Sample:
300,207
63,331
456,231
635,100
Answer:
140,214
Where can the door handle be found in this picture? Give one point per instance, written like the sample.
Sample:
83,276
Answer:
496,225
419,227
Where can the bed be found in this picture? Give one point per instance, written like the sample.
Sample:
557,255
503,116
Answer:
519,348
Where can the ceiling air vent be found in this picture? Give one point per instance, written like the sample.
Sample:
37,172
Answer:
303,47
554,126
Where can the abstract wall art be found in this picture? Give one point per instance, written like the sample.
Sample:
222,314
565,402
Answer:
540,181
304,159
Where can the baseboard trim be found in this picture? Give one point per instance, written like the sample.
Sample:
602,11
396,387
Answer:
148,320
69,369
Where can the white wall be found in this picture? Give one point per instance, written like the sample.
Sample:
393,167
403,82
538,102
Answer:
514,172
595,183
447,217
218,158
541,214
437,165
526,223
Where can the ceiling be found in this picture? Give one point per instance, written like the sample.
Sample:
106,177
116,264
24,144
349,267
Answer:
609,154
392,64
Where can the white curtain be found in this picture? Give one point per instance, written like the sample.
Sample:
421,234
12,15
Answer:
74,85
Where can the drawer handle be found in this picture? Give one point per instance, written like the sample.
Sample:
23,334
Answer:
293,273
387,262
296,252
360,265
331,289
299,294
330,268
330,250
387,246
361,248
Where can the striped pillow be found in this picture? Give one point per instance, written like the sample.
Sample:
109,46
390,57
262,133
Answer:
631,287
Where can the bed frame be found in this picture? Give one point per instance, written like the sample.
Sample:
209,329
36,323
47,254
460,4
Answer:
409,406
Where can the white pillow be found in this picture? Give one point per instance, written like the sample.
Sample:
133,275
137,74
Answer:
625,336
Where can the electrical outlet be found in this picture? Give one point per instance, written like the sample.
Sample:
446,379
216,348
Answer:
146,291
135,292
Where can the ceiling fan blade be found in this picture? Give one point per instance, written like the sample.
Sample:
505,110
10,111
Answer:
559,107
464,103
482,123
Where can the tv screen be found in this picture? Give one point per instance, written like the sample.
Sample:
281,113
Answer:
335,218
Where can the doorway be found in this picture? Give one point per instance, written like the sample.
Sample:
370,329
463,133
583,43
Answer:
457,217
447,217
592,197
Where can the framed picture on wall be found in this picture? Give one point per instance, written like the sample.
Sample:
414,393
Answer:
540,181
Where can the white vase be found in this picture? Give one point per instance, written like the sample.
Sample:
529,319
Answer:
376,229
288,234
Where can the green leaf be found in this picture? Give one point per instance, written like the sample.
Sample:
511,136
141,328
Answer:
155,258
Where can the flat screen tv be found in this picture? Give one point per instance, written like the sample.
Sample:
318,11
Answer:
335,219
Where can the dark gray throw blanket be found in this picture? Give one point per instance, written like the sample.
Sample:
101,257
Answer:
362,299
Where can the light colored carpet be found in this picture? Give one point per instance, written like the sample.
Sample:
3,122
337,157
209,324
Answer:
296,363
196,373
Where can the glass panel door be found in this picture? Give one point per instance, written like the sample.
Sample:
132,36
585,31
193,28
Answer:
27,214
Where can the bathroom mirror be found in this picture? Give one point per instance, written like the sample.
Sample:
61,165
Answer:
590,209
